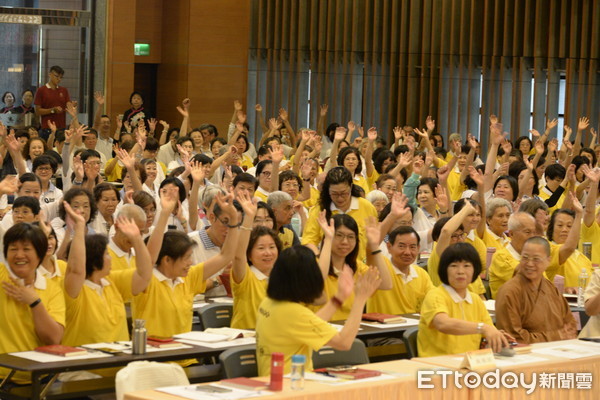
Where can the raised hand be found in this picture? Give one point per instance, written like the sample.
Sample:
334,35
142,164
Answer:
575,203
398,133
422,134
52,126
164,124
78,168
442,173
169,199
551,124
126,158
472,142
258,108
323,110
345,283
119,122
274,124
430,124
248,203
237,105
493,119
373,233
72,109
276,154
399,205
91,170
367,284
283,114
152,124
372,134
553,145
441,198
128,227
197,171
184,113
568,132
583,124
506,146
361,131
539,147
534,133
140,138
12,143
99,97
9,185
327,228
186,104
351,126
306,169
241,117
406,159
72,215
476,175
340,133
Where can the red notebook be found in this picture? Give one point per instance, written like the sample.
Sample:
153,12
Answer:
350,373
383,318
245,383
162,344
62,350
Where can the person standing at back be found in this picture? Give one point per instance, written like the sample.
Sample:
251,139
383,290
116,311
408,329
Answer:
51,100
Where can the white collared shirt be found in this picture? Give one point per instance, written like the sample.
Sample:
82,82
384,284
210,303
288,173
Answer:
353,206
38,283
120,253
259,275
42,270
162,278
412,273
456,297
502,239
263,191
95,287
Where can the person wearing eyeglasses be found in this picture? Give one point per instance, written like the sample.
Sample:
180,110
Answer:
529,306
446,232
51,100
339,196
264,172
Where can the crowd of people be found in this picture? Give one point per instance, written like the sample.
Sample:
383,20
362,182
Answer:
300,227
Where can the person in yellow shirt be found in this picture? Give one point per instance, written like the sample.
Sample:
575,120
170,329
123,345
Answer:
281,204
453,319
51,267
445,232
350,158
95,294
590,229
497,212
284,325
32,308
264,174
561,224
342,232
556,181
119,246
166,304
255,255
410,282
339,197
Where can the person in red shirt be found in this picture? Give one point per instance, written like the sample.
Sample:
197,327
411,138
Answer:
51,100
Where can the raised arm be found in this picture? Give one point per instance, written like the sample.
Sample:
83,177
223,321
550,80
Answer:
261,118
582,125
496,138
328,234
589,215
284,116
340,134
371,136
99,97
183,110
240,261
13,148
143,263
276,157
321,121
169,198
227,254
451,226
374,256
569,246
165,133
477,176
129,161
197,178
75,273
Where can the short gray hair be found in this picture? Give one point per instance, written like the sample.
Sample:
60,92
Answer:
209,194
278,197
515,222
494,204
134,212
375,195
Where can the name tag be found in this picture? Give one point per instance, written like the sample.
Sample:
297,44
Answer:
479,360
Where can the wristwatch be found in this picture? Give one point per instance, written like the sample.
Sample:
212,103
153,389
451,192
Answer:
52,111
480,327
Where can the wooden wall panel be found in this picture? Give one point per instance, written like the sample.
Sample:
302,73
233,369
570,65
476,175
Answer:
120,34
148,29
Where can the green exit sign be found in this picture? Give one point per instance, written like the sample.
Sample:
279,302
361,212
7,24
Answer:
141,49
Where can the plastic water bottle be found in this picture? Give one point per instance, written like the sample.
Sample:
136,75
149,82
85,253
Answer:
583,281
296,224
297,375
138,337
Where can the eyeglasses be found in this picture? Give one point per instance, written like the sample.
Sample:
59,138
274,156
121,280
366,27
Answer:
458,236
340,194
341,237
266,174
290,185
535,260
44,169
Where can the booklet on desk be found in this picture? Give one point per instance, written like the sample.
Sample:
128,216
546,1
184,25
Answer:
348,373
383,318
162,342
62,350
245,383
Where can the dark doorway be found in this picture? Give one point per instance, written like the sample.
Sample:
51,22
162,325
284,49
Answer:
144,81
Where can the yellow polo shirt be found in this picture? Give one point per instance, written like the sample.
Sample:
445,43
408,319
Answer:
360,210
166,304
407,294
331,288
120,259
60,267
455,186
16,319
261,194
247,296
315,195
432,342
286,237
246,161
360,180
97,314
289,328
502,268
591,234
572,268
115,174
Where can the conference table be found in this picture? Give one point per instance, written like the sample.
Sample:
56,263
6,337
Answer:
404,378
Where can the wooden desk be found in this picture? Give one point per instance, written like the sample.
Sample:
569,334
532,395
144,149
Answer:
52,369
400,387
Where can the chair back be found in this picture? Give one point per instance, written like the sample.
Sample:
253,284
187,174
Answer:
239,361
141,375
216,315
410,341
330,357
